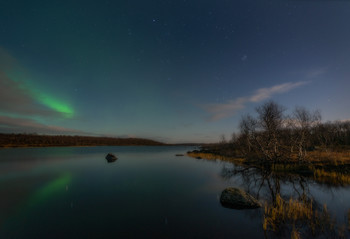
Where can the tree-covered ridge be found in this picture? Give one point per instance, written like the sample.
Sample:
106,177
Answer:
33,140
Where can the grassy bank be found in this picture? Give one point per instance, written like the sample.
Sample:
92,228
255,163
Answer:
331,167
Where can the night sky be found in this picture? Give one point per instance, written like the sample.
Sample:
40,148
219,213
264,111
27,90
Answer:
170,70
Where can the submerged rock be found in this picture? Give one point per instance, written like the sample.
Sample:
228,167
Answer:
238,199
111,158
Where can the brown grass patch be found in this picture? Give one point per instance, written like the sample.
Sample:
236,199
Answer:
214,157
332,157
334,178
297,217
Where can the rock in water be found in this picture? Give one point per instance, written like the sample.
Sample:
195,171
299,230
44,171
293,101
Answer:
111,158
238,199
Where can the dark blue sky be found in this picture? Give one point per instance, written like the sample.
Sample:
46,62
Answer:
175,71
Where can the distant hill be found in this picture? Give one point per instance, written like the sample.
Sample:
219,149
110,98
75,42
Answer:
34,140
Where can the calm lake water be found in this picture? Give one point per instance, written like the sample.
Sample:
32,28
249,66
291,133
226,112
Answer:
72,192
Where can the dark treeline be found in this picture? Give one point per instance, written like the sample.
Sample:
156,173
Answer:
276,137
34,140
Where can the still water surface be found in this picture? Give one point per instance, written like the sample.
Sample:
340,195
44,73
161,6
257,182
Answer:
72,192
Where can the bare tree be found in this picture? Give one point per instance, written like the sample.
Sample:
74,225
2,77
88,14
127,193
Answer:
303,121
270,122
234,138
264,134
223,139
247,137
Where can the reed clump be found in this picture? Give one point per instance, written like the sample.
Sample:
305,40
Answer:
298,217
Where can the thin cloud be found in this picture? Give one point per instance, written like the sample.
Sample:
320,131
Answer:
15,98
316,73
265,93
220,111
20,125
230,108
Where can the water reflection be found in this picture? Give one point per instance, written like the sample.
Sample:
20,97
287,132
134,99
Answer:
22,194
70,193
290,208
59,184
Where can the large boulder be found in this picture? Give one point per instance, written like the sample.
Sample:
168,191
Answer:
111,158
238,199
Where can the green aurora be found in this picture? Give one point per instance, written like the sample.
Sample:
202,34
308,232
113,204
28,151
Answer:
57,185
45,99
56,105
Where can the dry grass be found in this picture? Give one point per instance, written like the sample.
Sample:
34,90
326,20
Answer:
286,211
292,167
295,234
214,157
328,168
334,178
332,157
297,217
318,157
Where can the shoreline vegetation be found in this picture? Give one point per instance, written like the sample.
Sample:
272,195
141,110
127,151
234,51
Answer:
298,144
35,140
274,150
327,171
